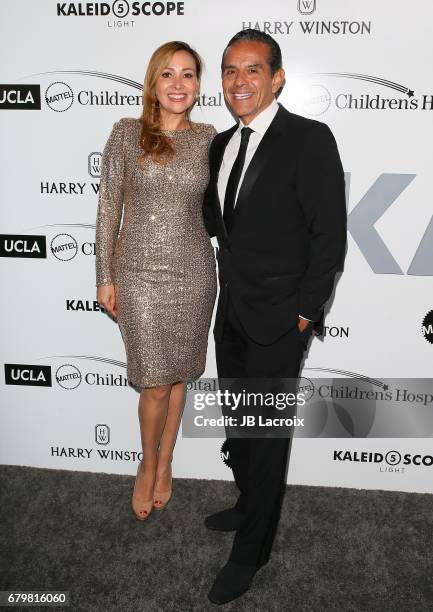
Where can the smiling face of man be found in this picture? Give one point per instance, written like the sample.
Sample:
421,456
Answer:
248,83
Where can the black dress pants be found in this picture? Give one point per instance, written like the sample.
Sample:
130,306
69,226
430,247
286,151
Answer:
258,464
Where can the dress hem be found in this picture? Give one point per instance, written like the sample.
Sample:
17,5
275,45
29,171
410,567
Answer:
159,383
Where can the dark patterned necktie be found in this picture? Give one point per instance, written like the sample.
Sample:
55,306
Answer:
235,175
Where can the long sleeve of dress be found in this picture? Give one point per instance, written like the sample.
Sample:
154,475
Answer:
110,204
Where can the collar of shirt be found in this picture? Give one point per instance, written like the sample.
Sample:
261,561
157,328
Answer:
259,124
263,120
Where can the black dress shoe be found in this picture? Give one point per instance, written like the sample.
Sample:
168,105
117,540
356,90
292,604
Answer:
232,581
226,520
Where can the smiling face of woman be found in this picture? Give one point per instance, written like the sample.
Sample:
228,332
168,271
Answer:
177,85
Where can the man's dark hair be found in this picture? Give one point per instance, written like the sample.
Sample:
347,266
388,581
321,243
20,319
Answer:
274,58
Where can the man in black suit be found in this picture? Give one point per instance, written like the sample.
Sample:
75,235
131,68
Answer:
276,202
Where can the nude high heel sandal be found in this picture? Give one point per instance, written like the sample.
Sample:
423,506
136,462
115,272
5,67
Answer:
160,498
141,507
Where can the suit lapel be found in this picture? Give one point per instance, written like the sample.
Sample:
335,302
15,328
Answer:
216,165
263,152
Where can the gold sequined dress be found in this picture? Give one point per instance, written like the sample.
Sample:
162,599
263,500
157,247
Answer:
161,261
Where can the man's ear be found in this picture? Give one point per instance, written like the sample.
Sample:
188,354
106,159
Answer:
278,80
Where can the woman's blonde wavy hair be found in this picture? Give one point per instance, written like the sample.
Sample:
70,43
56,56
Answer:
152,140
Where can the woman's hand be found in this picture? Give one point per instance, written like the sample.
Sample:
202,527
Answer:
106,296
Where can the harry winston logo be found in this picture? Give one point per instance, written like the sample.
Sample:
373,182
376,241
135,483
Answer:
94,164
306,7
102,434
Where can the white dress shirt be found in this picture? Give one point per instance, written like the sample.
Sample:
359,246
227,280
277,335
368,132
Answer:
259,125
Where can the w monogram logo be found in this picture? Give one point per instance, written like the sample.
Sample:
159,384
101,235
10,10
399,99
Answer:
306,7
102,434
94,164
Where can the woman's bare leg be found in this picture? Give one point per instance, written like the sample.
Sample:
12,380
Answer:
152,414
169,435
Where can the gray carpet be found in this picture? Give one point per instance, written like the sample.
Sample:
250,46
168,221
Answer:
336,549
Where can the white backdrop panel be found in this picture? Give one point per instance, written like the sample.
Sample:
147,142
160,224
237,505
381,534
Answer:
360,67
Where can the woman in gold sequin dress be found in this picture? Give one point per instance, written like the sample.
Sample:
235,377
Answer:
157,274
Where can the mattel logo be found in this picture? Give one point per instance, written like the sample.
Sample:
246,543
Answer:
20,97
25,374
13,245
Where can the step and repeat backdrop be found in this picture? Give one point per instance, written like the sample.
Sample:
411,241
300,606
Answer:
69,71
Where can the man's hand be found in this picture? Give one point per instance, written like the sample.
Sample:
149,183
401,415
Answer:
106,296
302,324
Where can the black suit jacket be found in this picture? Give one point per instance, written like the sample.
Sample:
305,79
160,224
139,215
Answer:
288,233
